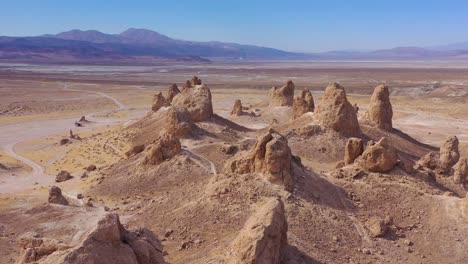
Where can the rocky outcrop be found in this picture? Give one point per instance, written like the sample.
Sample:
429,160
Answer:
303,104
158,102
263,238
460,174
379,157
195,81
353,149
178,122
63,176
111,243
56,197
271,156
335,113
172,91
197,101
166,147
430,161
380,108
237,109
35,248
449,154
283,96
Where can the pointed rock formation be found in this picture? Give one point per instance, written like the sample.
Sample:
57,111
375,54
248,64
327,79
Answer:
237,109
172,91
336,113
270,156
56,197
263,238
178,122
303,104
111,243
158,102
353,149
460,174
380,108
166,147
197,101
380,157
283,96
430,161
449,154
195,81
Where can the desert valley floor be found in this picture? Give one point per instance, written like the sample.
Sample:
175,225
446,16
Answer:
272,180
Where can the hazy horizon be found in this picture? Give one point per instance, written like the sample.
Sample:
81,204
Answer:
300,26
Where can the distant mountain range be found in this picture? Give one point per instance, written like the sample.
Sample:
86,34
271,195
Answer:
146,46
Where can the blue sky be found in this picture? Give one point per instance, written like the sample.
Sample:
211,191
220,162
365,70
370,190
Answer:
290,25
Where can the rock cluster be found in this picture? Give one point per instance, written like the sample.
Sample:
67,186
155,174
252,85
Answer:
263,238
158,102
353,149
283,96
303,104
378,157
35,248
270,156
380,108
166,147
63,176
111,243
197,101
56,197
178,122
237,109
172,91
337,114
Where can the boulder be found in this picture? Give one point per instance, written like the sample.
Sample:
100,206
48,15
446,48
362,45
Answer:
263,239
460,174
179,122
449,154
353,149
380,157
64,141
380,108
63,176
303,104
283,96
271,157
158,102
237,109
430,161
91,167
166,147
197,101
337,114
378,227
172,91
111,243
56,197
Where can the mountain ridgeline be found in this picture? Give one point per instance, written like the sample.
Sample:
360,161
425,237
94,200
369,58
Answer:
146,46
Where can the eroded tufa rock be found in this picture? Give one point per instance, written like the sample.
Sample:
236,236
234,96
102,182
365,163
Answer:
166,147
303,104
195,81
158,102
172,91
263,238
449,154
380,108
283,96
63,176
56,197
111,243
460,174
270,156
197,101
178,122
336,113
353,149
380,157
237,109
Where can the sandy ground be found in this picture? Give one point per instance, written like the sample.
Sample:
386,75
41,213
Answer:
36,114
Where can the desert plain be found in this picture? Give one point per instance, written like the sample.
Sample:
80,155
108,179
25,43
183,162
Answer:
89,121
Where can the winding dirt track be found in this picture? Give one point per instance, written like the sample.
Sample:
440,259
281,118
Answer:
13,134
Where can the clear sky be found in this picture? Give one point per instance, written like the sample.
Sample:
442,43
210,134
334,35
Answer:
290,25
